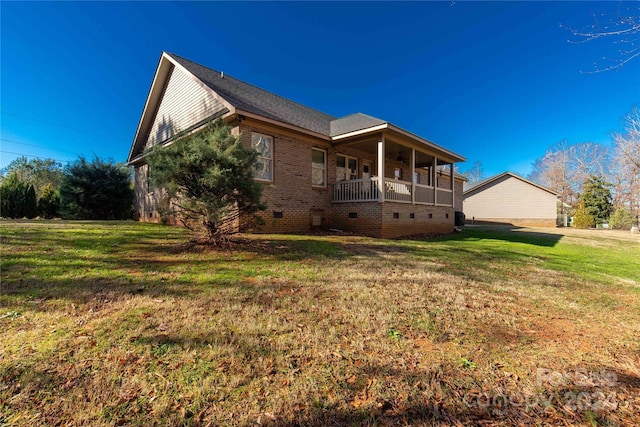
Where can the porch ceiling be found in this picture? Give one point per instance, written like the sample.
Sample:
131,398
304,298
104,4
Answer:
395,149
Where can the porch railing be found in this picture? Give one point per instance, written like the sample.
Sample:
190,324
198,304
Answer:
366,190
445,197
356,190
397,191
424,194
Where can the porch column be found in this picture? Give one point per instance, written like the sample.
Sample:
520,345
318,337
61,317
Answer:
453,200
380,167
434,180
413,180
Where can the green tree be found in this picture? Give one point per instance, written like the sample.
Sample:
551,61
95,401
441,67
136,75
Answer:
621,219
37,172
49,203
96,190
13,193
208,177
582,218
596,198
30,203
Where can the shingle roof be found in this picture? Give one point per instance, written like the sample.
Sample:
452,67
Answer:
486,181
252,99
353,122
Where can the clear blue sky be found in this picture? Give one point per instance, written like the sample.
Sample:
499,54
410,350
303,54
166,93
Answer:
494,81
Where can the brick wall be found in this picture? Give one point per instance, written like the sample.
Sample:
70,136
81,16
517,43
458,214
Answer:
426,219
290,198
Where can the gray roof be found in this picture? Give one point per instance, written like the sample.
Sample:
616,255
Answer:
486,181
252,99
353,122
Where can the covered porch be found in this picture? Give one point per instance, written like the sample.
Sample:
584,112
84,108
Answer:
392,168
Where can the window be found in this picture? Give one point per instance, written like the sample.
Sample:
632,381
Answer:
277,214
397,174
353,215
346,168
263,144
412,215
318,167
396,215
416,177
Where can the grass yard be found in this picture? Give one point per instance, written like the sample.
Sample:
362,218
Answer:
121,323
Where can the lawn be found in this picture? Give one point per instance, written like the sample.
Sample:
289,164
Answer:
121,323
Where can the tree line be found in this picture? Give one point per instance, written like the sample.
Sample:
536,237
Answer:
83,189
596,182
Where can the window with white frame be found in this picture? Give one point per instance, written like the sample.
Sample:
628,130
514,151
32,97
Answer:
263,144
346,168
318,167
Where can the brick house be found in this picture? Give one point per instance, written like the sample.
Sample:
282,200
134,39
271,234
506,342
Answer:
356,173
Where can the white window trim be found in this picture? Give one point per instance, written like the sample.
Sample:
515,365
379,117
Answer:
324,168
346,165
261,157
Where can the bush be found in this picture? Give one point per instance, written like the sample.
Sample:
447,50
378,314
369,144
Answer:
17,198
96,190
621,219
582,218
49,203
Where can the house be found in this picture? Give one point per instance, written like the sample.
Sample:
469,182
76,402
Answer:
510,199
355,173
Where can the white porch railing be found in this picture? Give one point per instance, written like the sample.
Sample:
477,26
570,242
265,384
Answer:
366,190
356,190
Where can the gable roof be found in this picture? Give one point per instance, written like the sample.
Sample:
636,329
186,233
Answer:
249,98
478,186
242,98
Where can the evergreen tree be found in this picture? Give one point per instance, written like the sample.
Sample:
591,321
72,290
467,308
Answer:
596,198
37,172
582,218
13,193
30,203
49,203
96,190
208,177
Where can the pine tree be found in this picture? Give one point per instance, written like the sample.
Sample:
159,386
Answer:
96,190
582,218
208,177
596,198
49,203
30,203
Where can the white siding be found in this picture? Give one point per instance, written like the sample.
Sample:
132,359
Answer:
509,197
184,104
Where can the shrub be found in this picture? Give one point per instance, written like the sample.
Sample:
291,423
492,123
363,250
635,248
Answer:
582,218
621,219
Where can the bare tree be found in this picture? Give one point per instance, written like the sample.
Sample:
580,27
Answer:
586,159
475,173
565,168
627,163
623,30
552,171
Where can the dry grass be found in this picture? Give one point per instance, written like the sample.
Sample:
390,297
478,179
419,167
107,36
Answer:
128,324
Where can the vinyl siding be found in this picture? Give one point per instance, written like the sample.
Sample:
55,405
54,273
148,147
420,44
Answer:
510,198
184,104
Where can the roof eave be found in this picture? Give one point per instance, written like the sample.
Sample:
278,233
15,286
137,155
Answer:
282,124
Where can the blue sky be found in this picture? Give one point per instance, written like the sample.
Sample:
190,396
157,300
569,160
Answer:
494,81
